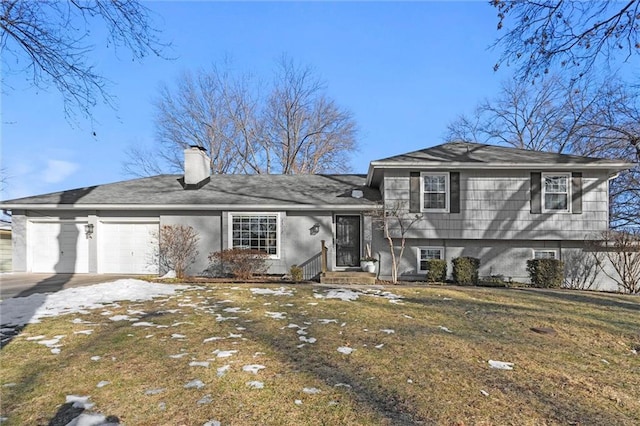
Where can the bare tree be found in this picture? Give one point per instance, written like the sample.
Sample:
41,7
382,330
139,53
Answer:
395,221
49,40
590,118
177,248
569,33
622,249
306,131
296,128
581,267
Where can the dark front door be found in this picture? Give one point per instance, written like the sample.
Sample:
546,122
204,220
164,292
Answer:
347,241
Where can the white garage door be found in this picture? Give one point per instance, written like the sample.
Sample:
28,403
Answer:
60,247
127,248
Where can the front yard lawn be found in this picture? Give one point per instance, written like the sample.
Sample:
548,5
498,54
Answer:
311,355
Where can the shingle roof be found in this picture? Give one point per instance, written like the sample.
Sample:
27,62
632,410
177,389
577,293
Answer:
163,191
467,155
475,153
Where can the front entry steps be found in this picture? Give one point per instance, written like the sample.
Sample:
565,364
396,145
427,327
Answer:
348,277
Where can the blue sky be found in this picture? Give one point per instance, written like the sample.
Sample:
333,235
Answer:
405,70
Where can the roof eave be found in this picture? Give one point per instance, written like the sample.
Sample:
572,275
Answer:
201,207
492,166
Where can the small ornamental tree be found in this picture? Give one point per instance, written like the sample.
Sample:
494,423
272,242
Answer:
395,222
177,248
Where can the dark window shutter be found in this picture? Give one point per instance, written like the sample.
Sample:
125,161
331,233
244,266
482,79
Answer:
536,193
414,192
454,190
576,193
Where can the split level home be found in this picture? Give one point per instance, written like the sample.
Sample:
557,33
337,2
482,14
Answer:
501,205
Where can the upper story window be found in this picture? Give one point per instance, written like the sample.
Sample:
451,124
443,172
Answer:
555,191
435,192
256,231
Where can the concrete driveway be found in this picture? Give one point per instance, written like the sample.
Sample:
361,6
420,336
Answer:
19,284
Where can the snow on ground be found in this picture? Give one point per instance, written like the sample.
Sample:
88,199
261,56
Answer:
19,311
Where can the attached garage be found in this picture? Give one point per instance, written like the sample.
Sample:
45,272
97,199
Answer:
58,247
127,247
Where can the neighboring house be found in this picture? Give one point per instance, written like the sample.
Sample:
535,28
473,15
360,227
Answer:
5,246
502,205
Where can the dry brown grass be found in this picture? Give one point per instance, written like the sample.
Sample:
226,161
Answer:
586,373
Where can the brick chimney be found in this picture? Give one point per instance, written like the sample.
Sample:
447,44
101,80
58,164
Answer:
197,168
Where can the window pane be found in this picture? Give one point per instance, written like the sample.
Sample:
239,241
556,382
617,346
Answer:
435,201
544,254
255,232
555,201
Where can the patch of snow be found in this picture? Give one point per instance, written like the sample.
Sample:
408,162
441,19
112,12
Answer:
199,364
178,336
340,293
155,391
102,383
79,401
197,384
282,291
212,423
342,385
169,275
212,339
407,316
79,321
234,336
85,332
178,356
445,329
143,324
224,354
379,346
276,315
501,365
298,402
51,343
388,330
119,318
30,309
345,350
311,391
221,371
253,368
327,321
55,351
35,338
95,358
254,384
307,339
484,392
207,399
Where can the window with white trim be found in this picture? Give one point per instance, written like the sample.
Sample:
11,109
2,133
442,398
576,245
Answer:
255,231
545,254
435,192
428,253
556,192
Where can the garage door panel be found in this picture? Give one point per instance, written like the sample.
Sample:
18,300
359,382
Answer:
128,248
59,247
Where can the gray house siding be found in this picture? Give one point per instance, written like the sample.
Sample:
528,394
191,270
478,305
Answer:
497,205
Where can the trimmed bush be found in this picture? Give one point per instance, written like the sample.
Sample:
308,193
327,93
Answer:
436,270
545,273
297,274
238,263
465,270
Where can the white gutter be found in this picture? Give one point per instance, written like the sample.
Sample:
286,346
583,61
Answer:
199,207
